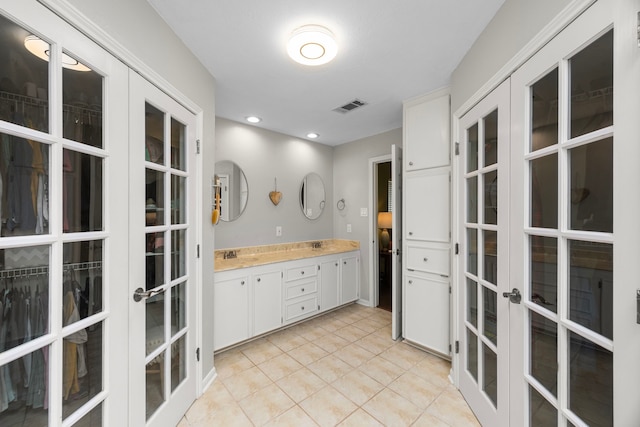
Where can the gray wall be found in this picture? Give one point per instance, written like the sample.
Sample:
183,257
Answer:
351,183
265,156
515,24
141,31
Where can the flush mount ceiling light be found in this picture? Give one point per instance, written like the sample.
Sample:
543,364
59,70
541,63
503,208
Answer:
253,119
41,49
312,45
312,135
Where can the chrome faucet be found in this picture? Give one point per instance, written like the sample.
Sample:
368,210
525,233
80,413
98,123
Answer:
316,245
229,254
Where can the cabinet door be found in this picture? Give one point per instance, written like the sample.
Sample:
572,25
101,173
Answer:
329,284
230,311
427,206
426,134
267,302
349,279
426,311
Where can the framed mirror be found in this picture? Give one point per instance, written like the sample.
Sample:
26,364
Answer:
234,190
312,196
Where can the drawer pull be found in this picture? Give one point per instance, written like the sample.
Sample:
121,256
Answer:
302,307
410,163
258,279
302,272
302,290
410,282
242,283
425,259
411,233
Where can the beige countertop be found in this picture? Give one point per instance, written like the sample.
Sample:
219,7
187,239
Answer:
252,256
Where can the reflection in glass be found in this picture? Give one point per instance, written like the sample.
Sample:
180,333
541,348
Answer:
24,186
544,111
234,190
490,315
490,369
178,308
154,385
472,199
82,105
592,86
544,351
472,354
178,199
312,196
590,381
154,193
178,253
154,314
92,419
178,137
591,184
491,138
541,412
24,82
472,302
591,286
472,251
490,197
544,192
154,135
544,272
490,272
472,148
178,362
154,260
82,280
82,367
82,193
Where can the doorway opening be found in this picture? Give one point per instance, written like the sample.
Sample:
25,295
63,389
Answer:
384,209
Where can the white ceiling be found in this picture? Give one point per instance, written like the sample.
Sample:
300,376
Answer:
389,51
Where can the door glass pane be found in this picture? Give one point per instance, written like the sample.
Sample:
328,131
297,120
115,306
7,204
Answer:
541,412
592,86
490,370
82,192
472,302
544,272
544,351
592,186
154,322
154,207
178,362
92,419
155,384
24,82
472,354
591,286
544,111
24,186
154,135
491,138
490,256
178,310
472,249
544,192
178,137
82,102
490,197
178,253
82,281
490,319
472,199
590,381
472,148
154,260
178,199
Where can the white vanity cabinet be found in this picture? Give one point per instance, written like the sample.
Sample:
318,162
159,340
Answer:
349,275
426,301
267,297
426,133
339,280
230,308
329,283
300,290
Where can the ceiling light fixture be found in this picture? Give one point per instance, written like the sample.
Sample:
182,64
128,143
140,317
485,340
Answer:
42,50
312,135
312,45
253,119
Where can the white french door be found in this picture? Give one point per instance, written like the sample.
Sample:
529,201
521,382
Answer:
163,280
396,244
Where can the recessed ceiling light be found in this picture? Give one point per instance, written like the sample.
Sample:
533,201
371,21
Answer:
312,45
42,50
254,119
312,135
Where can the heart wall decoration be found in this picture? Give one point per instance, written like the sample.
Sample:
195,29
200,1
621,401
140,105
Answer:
275,196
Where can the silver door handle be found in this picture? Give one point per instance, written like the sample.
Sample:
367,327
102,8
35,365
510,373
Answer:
140,294
514,296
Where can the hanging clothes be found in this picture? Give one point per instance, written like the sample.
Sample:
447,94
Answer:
38,381
4,398
73,365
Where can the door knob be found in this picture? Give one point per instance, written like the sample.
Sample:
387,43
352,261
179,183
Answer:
140,294
514,296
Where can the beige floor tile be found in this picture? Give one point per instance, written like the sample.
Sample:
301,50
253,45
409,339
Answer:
286,340
351,333
294,417
381,370
329,368
417,390
331,343
234,363
451,407
360,418
366,325
214,399
333,324
183,422
266,404
313,333
328,407
428,420
375,344
279,367
354,355
301,384
232,416
307,353
403,355
383,332
391,409
358,387
433,369
246,382
261,351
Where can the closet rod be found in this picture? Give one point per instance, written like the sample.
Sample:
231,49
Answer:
37,271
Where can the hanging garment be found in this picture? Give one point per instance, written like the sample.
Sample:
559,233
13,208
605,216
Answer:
4,399
71,361
21,211
37,391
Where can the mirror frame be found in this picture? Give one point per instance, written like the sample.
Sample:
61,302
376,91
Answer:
322,202
243,176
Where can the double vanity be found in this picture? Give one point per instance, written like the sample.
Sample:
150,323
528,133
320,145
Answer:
260,289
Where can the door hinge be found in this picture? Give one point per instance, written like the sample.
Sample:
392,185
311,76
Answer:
198,354
457,347
197,251
318,308
318,267
197,146
457,249
638,22
449,289
457,149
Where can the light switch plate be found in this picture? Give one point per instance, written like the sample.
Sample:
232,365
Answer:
364,212
348,228
278,231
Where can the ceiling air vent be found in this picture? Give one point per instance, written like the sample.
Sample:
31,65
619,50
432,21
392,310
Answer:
350,106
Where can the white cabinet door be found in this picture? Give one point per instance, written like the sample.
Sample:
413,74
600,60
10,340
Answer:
426,134
267,302
427,312
426,206
230,311
329,278
349,279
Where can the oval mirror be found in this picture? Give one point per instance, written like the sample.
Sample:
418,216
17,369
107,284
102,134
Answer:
234,190
312,196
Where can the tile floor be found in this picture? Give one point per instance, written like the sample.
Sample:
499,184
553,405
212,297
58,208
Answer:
338,369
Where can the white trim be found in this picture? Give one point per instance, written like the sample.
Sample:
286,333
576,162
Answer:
373,235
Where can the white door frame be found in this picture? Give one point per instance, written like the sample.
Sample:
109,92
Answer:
374,267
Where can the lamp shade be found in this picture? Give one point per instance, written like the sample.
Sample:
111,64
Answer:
384,219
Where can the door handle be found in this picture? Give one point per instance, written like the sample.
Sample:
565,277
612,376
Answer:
514,296
140,294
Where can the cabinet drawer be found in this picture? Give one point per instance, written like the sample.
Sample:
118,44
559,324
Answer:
301,308
300,288
301,272
428,260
